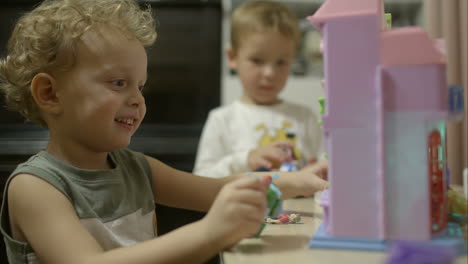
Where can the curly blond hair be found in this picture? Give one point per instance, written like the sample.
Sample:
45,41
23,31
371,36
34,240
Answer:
45,39
259,16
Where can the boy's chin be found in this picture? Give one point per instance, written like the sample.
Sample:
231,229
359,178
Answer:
121,144
267,101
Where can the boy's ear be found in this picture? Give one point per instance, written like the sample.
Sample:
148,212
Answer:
44,92
231,55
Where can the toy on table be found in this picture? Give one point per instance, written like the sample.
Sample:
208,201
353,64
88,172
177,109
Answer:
384,130
275,204
284,218
273,201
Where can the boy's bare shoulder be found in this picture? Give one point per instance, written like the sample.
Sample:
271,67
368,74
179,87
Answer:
28,194
24,181
28,198
44,218
26,190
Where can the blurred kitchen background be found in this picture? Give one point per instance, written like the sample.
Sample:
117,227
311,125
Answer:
304,84
187,77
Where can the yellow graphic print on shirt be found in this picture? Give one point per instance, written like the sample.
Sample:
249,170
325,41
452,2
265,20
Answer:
281,134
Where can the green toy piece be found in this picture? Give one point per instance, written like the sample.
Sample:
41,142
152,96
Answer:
388,19
321,101
274,204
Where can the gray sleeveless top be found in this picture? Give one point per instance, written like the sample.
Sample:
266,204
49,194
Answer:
116,206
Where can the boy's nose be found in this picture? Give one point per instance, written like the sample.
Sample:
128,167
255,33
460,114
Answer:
136,98
268,70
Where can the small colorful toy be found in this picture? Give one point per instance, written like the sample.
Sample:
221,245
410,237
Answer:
289,166
384,129
284,218
273,200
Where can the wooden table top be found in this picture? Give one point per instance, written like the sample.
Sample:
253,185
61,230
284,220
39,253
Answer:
289,243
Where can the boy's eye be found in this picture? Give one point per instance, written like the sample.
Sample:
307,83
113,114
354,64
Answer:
141,87
256,61
119,83
281,62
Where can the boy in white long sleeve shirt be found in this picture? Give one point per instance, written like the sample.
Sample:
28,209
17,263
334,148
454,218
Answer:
259,131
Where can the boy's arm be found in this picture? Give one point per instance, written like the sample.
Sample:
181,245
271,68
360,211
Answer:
44,217
298,183
184,190
181,189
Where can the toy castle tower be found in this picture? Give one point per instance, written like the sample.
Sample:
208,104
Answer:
384,126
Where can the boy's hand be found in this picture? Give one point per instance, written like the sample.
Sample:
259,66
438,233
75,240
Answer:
319,168
305,182
270,155
314,177
238,211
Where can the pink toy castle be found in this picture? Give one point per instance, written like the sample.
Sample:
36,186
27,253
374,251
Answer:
384,127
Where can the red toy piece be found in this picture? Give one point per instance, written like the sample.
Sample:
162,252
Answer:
437,183
283,217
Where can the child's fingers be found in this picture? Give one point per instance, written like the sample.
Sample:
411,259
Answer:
264,163
253,183
319,167
277,155
283,143
315,184
252,197
312,160
250,213
321,184
266,180
284,148
322,163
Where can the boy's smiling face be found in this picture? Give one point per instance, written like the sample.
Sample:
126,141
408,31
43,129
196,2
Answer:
263,61
101,95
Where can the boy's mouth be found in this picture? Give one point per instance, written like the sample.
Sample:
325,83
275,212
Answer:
126,121
267,88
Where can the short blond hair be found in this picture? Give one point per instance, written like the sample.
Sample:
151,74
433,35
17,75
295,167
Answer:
259,16
45,39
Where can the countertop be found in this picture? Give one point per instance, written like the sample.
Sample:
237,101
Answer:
288,243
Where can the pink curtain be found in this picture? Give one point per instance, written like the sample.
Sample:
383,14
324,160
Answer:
447,19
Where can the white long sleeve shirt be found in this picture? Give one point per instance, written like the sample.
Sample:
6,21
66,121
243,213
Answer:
232,131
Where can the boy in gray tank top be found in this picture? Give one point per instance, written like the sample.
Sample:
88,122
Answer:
78,67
